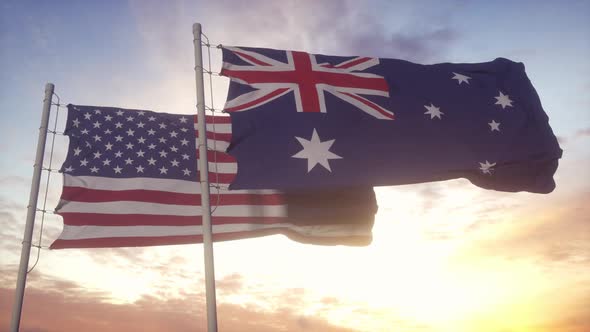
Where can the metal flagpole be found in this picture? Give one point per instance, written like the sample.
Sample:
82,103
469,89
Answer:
31,211
204,173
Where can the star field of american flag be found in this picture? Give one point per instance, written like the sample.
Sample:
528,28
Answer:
120,143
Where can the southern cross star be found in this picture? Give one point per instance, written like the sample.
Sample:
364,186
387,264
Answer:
487,167
433,111
461,78
316,152
494,126
503,100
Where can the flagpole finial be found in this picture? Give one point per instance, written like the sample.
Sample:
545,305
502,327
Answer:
196,28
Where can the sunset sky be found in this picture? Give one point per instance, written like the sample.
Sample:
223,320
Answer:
445,256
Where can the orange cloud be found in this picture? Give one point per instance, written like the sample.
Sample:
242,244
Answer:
56,305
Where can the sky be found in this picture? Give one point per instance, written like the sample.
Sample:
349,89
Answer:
446,256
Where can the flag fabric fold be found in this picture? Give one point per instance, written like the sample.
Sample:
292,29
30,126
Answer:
310,121
130,178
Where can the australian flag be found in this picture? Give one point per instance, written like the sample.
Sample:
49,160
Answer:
314,121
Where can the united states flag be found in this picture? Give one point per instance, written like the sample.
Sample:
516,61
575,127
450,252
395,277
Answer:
131,179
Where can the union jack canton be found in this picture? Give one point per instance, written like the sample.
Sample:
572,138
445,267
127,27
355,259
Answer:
308,78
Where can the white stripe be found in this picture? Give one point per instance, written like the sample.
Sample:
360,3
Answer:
224,168
219,128
95,232
215,145
103,183
178,186
132,207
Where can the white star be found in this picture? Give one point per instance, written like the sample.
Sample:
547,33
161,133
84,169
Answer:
108,146
117,169
97,124
77,151
433,111
173,134
88,145
68,169
128,161
106,162
108,132
163,154
494,126
141,112
184,142
139,169
151,146
97,138
461,78
487,168
151,132
316,151
183,120
174,149
130,132
97,154
141,140
163,170
140,153
119,138
129,146
186,171
151,161
94,169
84,131
97,112
152,118
185,156
108,117
84,162
118,125
118,154
76,123
140,125
129,118
119,112
162,140
87,116
184,130
503,100
162,125
174,162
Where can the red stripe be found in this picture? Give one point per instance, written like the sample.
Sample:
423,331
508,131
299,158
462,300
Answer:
257,101
185,239
371,105
216,136
217,156
79,194
101,219
221,178
210,119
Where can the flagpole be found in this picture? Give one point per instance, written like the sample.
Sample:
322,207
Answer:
31,211
204,174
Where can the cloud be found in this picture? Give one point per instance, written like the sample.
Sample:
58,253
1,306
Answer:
54,305
553,231
582,133
417,47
